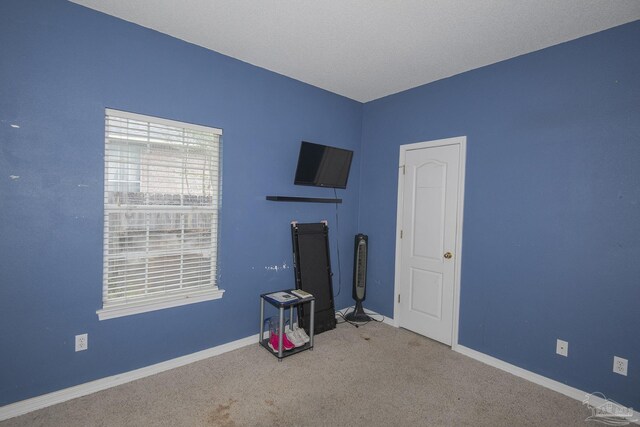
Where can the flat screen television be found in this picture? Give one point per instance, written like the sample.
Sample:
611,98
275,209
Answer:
323,166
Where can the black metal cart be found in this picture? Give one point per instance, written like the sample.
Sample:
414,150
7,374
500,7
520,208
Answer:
281,306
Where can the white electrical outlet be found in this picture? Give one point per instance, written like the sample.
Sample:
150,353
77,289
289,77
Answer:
620,365
562,348
82,342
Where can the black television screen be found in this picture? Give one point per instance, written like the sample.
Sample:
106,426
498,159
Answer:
323,166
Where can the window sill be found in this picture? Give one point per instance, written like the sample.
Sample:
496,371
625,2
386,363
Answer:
121,310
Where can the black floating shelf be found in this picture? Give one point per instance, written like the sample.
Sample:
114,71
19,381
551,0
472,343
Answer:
302,199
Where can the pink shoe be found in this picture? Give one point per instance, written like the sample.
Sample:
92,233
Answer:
286,344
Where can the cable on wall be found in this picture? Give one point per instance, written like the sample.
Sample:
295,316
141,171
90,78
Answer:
338,246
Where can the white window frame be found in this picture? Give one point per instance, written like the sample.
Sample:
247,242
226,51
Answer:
180,297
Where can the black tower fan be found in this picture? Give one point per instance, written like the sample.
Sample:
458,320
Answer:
359,279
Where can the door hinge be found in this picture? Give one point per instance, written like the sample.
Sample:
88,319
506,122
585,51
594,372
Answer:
401,234
398,298
402,169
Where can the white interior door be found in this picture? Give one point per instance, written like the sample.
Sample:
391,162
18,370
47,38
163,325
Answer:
428,244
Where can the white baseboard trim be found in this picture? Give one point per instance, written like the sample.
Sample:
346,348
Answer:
559,387
39,402
386,320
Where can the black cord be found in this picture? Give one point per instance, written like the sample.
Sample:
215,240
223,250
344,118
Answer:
376,320
344,320
357,324
338,246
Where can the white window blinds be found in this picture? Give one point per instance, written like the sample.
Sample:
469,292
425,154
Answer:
162,191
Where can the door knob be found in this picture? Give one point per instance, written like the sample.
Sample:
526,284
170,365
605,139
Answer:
448,255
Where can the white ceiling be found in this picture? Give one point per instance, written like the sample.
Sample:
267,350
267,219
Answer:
367,49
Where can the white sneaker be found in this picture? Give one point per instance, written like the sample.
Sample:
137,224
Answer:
293,337
302,335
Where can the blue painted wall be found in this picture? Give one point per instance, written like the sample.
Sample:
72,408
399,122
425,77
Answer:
61,65
551,243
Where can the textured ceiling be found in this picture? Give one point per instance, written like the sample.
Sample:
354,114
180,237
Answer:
367,49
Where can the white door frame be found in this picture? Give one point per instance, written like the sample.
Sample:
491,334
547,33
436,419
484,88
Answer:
462,142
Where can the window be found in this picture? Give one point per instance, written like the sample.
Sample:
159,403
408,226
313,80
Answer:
161,202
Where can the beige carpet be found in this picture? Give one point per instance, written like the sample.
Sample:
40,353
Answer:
374,375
